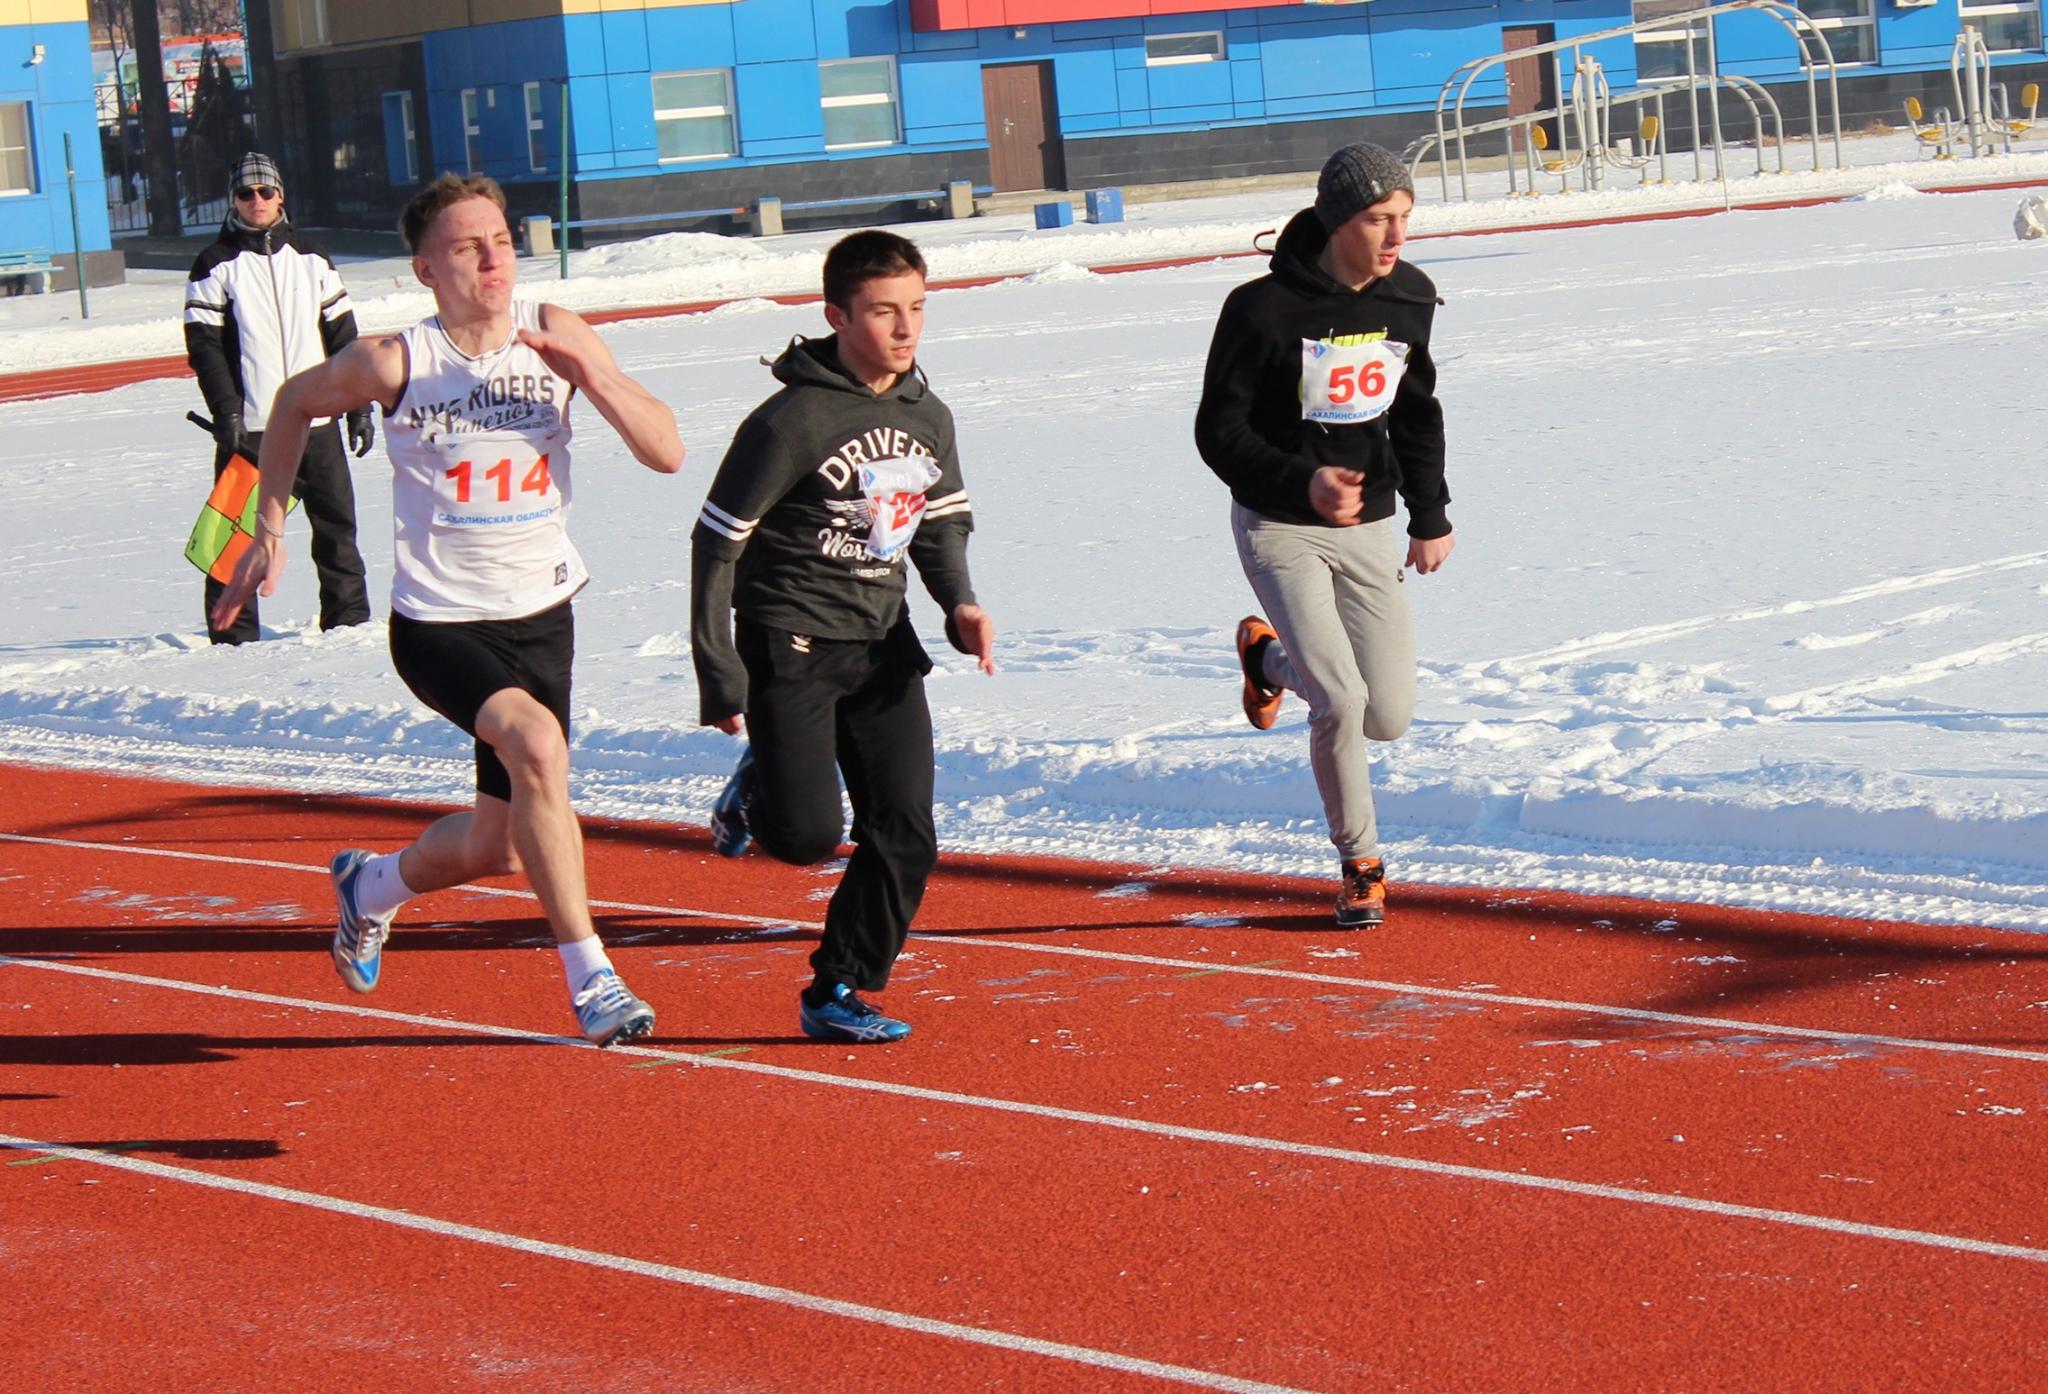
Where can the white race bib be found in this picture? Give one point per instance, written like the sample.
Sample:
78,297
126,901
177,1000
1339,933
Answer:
1343,384
491,482
894,490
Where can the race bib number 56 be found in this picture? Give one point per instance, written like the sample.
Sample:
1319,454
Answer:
1343,384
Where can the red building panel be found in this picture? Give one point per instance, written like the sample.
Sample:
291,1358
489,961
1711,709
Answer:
936,16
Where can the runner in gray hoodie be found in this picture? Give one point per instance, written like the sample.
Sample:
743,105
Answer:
829,486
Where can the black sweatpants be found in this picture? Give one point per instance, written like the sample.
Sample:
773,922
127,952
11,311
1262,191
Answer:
818,709
329,496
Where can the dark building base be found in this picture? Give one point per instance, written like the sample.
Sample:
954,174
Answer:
885,189
1237,152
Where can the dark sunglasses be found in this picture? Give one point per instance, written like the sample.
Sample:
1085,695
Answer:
258,191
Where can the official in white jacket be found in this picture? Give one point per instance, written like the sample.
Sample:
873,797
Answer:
265,302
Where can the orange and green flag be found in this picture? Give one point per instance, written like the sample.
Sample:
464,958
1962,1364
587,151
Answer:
227,524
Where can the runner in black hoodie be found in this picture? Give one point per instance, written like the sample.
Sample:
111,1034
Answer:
1318,407
827,487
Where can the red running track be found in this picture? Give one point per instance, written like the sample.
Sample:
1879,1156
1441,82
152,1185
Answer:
1154,1131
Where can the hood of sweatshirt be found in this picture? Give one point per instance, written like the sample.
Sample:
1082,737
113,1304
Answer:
1295,262
815,363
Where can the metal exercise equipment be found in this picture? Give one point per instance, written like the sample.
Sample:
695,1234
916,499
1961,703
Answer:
1586,110
1981,119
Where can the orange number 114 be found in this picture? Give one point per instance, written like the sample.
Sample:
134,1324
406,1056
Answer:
537,480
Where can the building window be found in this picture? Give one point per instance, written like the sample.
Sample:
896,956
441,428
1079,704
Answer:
472,131
536,130
401,139
2008,26
693,115
1165,50
1850,28
1662,53
17,170
312,23
859,97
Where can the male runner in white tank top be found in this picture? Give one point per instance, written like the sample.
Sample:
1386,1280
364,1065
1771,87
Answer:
476,408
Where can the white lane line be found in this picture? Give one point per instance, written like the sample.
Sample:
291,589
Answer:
663,1272
1731,1025
1175,1132
505,892
1728,1025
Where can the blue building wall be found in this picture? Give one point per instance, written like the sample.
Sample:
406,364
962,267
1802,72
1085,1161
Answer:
1281,64
59,93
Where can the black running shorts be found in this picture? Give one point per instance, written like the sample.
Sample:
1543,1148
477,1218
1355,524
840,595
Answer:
455,668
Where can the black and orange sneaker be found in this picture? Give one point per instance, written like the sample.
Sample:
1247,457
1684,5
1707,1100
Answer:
1261,699
1363,901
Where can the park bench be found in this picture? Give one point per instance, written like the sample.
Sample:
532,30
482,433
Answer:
31,261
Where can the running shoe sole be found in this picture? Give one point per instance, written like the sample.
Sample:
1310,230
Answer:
1261,703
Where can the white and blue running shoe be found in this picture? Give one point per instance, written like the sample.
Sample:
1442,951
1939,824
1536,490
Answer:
846,1018
359,942
608,1012
729,834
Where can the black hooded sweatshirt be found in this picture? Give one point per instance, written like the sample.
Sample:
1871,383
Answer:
1249,427
788,535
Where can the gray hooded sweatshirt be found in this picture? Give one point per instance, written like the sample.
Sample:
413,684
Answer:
828,486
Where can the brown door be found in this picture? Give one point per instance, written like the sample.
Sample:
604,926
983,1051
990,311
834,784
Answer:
1023,149
1532,82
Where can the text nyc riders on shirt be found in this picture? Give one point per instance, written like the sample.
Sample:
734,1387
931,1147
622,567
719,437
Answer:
827,488
480,501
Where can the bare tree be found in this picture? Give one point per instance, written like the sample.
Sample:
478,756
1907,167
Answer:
138,27
201,16
160,156
111,22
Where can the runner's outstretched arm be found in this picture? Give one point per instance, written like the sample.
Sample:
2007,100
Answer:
572,348
368,370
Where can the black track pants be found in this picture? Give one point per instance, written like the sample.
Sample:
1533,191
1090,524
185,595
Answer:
329,497
818,709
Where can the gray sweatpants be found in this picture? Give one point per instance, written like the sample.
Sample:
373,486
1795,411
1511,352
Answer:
1347,645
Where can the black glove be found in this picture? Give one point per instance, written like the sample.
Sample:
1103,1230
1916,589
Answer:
362,431
227,430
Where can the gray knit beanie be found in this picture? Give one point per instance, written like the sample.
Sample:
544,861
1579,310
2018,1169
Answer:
256,171
1354,179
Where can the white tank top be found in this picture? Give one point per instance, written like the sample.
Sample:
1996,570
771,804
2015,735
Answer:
480,494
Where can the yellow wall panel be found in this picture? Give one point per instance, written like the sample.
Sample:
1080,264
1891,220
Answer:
42,11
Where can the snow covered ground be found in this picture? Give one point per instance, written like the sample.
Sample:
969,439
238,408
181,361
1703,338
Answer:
1750,602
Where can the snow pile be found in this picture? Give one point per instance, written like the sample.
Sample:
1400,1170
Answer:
1746,606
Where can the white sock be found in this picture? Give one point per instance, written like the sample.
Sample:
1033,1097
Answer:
581,958
380,890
